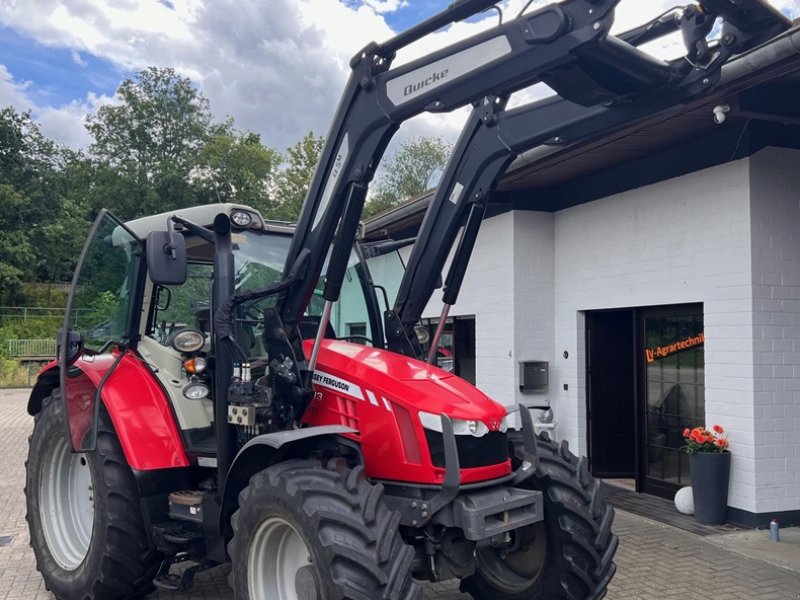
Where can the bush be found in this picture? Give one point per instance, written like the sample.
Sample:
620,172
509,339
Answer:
14,375
44,294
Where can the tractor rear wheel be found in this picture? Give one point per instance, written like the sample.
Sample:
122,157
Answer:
308,532
568,556
84,515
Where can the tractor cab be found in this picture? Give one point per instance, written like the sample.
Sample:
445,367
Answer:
116,302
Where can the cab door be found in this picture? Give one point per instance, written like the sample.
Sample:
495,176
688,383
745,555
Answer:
100,322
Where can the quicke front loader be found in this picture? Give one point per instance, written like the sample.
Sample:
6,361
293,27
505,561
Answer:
212,402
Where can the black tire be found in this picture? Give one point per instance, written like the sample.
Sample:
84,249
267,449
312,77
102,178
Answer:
352,540
573,549
118,563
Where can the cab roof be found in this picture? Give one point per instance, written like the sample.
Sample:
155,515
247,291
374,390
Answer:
204,216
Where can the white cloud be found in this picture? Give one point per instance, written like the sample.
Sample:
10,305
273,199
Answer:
277,67
77,58
385,6
62,123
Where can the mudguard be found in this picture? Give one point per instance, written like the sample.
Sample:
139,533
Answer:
261,452
138,407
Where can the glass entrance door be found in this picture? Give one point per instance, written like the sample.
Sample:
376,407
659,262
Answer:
673,391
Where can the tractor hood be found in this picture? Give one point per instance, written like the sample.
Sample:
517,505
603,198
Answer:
366,373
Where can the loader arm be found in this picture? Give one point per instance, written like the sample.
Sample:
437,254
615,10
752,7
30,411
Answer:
493,137
377,99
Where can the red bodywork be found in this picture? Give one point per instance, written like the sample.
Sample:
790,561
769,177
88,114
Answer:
377,392
380,393
138,407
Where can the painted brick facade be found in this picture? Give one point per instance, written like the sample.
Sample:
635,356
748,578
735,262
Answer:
679,241
775,209
727,237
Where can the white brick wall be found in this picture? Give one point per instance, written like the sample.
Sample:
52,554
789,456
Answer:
534,272
677,241
727,237
488,293
775,209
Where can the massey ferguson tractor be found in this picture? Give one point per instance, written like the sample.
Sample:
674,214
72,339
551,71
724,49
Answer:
208,406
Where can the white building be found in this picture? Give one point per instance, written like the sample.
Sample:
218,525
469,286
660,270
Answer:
657,273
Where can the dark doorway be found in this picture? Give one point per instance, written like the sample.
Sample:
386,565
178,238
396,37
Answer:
456,351
611,387
645,383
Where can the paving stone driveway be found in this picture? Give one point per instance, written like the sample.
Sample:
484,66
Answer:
655,562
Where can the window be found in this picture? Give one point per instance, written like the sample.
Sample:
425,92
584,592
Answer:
675,388
357,332
456,350
180,306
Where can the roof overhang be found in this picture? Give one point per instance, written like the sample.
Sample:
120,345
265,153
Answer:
761,85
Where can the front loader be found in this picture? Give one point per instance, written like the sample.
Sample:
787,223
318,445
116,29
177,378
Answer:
217,400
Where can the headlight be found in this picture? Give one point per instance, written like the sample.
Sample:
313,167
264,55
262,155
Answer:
241,218
460,427
188,340
195,391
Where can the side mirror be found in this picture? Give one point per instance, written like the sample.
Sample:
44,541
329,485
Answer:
70,349
166,257
163,298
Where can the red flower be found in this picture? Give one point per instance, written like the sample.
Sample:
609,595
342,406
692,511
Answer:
719,429
686,432
721,442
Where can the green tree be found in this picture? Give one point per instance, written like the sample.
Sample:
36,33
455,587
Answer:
409,172
146,145
236,167
29,193
16,253
295,177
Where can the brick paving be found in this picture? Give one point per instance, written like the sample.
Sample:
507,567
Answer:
655,561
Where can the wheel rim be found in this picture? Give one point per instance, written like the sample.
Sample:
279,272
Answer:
277,553
66,503
519,568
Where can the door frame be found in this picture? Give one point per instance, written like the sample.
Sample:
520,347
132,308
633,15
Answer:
638,314
644,484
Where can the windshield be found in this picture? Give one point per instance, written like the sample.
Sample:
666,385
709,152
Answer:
259,258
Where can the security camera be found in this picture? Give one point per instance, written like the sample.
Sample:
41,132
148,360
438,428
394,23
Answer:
719,113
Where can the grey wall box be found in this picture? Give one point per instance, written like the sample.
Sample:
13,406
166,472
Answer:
533,375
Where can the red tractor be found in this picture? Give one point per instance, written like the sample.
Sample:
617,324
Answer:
208,407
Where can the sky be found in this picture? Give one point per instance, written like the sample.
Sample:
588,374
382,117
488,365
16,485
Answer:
276,66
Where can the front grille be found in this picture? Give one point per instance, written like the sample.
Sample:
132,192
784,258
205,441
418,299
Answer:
491,449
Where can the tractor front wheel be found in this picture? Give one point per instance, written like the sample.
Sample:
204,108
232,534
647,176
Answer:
308,532
84,516
569,555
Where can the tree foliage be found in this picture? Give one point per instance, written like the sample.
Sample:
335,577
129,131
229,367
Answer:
409,172
236,167
30,190
295,177
146,144
154,149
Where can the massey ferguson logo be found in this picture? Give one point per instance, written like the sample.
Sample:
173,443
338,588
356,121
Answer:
415,87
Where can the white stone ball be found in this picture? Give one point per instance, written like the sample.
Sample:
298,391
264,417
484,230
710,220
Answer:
684,501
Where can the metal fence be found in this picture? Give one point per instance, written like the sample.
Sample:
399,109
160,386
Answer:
32,349
24,313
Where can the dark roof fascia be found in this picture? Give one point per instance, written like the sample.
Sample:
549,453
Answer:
772,60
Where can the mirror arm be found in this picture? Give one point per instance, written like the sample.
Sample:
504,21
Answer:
196,229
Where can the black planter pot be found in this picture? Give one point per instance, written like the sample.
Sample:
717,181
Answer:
710,477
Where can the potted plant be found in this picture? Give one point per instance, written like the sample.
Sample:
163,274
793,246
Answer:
710,464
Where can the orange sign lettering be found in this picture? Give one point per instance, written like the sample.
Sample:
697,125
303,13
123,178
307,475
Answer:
651,354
